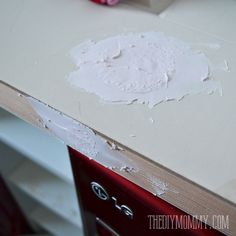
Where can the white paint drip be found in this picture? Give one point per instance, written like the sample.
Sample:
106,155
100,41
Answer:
148,68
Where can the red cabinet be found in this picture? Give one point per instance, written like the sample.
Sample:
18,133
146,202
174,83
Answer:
112,205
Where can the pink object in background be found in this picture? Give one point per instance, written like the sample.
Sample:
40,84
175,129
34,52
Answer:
108,2
112,2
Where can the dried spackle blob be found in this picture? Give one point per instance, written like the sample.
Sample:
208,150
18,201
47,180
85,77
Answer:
148,68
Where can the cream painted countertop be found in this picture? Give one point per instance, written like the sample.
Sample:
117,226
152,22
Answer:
194,137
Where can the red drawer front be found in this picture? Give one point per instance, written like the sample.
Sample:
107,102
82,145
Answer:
113,215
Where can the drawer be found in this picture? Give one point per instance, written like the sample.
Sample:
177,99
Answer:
112,205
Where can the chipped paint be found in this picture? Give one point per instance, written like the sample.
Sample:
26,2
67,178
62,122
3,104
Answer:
114,146
127,169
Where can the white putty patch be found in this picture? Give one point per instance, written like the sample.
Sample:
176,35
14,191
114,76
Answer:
70,131
83,139
148,68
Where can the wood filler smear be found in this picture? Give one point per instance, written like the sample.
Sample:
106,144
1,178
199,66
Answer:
105,152
147,68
